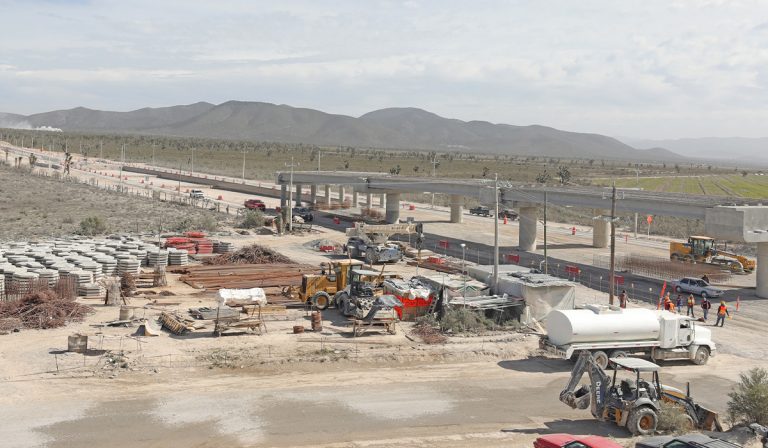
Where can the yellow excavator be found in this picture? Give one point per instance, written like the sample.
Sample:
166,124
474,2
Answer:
701,249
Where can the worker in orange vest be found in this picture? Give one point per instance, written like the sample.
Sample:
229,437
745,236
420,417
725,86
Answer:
691,303
722,311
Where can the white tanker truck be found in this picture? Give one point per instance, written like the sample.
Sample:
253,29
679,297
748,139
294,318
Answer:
613,332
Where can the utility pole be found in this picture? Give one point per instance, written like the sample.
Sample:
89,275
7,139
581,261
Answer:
318,159
101,149
153,155
290,198
612,274
496,235
122,162
193,161
546,262
637,177
243,166
434,167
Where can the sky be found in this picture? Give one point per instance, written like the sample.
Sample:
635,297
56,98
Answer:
628,68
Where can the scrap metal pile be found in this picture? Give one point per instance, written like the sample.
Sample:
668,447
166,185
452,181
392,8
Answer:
41,310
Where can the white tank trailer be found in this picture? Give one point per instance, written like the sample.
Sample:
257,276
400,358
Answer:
613,332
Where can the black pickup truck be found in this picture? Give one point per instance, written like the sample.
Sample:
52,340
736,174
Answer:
480,211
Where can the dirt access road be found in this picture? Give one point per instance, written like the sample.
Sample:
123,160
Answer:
482,404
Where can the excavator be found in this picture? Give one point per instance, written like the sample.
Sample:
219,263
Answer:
631,403
701,249
370,241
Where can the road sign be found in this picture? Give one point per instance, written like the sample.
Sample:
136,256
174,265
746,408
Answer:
649,219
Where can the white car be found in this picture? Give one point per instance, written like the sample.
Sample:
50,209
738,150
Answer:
196,194
696,286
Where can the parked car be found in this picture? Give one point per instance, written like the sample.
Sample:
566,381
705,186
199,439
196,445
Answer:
569,441
305,213
509,214
480,210
253,204
696,286
686,441
196,194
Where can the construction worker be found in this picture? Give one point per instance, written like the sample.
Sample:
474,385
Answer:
705,306
668,305
623,299
691,303
705,277
679,303
722,311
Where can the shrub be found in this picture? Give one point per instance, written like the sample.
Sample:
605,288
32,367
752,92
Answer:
462,320
207,223
93,225
749,401
673,419
252,219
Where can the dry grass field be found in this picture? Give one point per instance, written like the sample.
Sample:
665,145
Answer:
34,206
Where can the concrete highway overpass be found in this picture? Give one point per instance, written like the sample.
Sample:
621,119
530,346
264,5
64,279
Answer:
732,219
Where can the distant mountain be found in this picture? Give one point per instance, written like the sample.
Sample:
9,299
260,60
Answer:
394,128
734,149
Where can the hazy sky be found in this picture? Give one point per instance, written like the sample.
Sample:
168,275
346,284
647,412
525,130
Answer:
645,68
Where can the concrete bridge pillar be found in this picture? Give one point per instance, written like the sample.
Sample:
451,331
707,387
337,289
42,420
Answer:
313,195
368,199
601,229
298,195
342,193
382,200
354,198
456,209
762,271
393,208
283,195
528,222
328,195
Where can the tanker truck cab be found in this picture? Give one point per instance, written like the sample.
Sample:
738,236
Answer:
612,332
682,338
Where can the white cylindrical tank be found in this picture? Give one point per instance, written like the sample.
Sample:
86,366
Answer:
601,324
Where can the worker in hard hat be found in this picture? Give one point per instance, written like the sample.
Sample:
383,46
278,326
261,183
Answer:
722,311
691,303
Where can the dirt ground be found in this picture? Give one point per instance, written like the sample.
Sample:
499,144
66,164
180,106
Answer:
325,389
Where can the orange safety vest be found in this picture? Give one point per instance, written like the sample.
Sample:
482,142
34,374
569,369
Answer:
721,310
691,301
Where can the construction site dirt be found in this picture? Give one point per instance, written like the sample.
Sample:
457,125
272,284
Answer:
326,388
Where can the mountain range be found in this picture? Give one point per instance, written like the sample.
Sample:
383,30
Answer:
392,128
736,150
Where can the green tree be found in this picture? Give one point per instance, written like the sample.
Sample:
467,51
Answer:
564,174
93,225
749,400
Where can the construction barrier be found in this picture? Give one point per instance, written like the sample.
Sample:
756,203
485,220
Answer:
513,258
443,243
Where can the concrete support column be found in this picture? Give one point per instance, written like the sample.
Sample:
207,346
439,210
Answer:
601,230
528,222
283,195
313,195
456,208
382,200
393,208
298,195
342,193
368,199
328,195
762,271
354,198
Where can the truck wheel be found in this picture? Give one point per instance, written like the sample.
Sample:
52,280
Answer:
341,303
674,257
701,357
601,359
642,421
618,354
321,300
